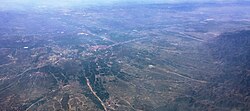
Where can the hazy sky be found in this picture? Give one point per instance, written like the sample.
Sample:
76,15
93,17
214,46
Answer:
64,3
